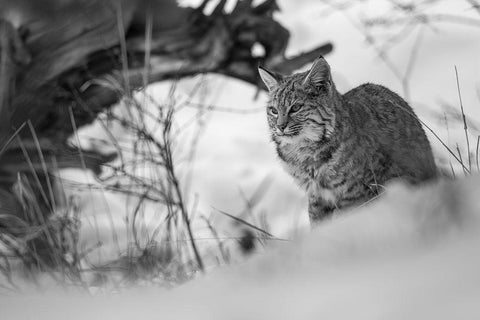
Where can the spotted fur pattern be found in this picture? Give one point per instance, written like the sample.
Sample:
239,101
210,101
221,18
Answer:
342,149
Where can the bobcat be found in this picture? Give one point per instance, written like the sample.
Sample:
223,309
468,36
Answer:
343,148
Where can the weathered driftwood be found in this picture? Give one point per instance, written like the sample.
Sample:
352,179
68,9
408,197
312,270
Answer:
82,56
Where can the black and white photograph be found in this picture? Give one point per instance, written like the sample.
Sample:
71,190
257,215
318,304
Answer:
239,159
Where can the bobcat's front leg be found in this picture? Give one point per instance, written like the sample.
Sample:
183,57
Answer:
318,209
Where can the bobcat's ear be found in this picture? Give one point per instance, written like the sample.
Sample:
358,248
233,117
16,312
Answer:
269,78
319,73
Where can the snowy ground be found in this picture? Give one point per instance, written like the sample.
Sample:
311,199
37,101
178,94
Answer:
412,255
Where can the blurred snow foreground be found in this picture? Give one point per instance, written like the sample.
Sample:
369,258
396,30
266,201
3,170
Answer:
411,255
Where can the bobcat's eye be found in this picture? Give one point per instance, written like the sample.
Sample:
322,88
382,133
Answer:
273,111
295,108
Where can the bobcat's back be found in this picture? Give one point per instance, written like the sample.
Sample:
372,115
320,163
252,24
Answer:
394,130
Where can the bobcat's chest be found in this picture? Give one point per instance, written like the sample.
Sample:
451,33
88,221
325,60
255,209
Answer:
300,161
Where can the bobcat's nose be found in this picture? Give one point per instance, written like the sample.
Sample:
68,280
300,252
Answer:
282,121
280,130
281,127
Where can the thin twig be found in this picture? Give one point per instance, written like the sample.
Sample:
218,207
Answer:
465,127
248,224
465,171
43,164
476,153
13,136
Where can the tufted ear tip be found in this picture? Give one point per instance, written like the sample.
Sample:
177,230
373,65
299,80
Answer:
270,79
319,72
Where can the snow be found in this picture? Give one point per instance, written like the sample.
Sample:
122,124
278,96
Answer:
411,255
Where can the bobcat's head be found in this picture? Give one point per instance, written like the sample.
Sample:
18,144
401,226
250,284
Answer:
301,105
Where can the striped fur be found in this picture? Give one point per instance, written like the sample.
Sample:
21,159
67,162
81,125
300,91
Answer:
343,148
